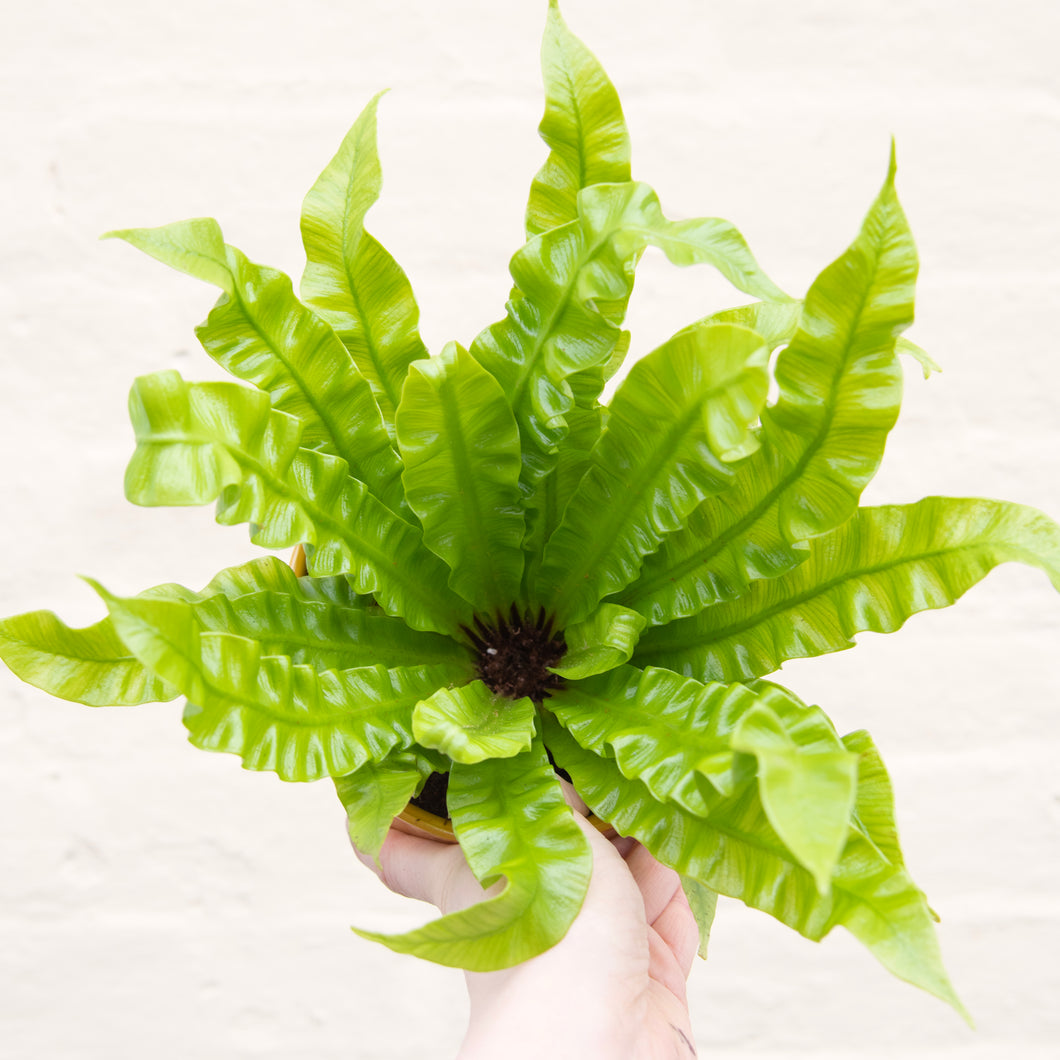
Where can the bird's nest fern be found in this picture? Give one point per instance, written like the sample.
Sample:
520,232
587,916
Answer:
506,573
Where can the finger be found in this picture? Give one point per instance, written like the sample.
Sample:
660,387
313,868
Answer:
416,867
611,887
574,800
658,883
677,928
664,968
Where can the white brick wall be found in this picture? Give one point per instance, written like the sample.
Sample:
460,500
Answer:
158,901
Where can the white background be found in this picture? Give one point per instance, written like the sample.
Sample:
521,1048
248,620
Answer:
155,900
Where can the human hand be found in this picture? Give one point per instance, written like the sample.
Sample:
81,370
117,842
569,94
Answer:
614,987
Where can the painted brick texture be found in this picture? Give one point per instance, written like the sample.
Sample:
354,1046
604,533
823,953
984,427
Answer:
158,901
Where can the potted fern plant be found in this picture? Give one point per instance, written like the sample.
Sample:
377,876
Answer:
500,573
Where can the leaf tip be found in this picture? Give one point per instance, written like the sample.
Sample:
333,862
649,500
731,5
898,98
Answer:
371,110
104,594
126,235
367,848
958,1006
927,364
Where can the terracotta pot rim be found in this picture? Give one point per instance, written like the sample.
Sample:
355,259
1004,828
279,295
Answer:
441,828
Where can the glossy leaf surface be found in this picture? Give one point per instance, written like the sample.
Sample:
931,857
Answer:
776,322
350,281
89,665
871,573
808,798
460,447
376,793
736,852
583,125
874,807
471,724
673,734
276,715
636,567
676,424
704,904
513,823
600,643
573,283
547,503
839,378
260,332
733,537
667,731
92,665
725,544
840,388
197,442
328,636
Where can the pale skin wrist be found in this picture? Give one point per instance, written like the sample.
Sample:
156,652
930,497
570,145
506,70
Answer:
560,1023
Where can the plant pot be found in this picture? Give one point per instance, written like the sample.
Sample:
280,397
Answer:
414,819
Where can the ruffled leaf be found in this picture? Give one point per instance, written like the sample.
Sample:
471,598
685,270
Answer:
269,573
808,798
632,213
350,281
734,537
680,417
328,636
871,573
927,363
512,821
776,322
874,807
316,621
573,284
260,332
664,730
376,793
548,502
276,715
727,542
470,724
195,247
840,388
587,386
460,446
669,731
601,642
839,378
583,125
197,442
736,852
255,576
89,665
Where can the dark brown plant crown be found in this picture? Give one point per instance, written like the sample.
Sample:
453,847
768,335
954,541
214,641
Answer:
515,651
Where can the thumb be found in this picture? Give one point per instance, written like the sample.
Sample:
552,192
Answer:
433,871
419,868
